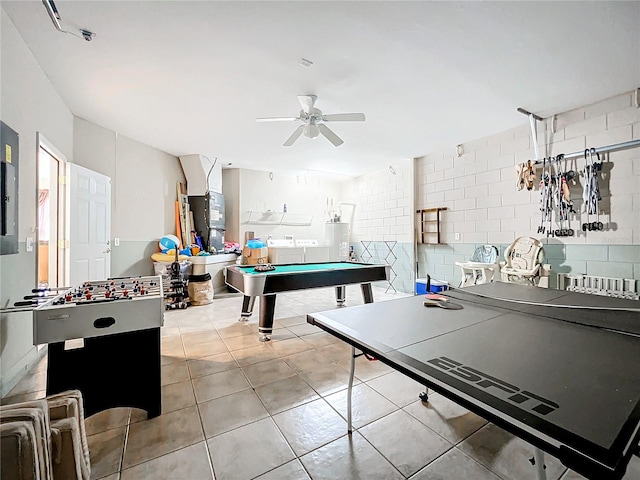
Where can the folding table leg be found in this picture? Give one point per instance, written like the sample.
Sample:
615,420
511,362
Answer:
424,396
353,367
539,463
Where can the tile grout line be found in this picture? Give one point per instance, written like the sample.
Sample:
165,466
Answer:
204,433
193,389
124,445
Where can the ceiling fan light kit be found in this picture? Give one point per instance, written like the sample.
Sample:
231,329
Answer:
314,121
311,130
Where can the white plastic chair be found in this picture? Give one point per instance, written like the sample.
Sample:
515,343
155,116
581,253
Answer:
523,263
482,268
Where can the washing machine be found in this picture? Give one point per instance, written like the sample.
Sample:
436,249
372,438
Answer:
313,251
284,251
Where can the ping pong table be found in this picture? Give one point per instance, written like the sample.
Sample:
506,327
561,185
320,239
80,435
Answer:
561,370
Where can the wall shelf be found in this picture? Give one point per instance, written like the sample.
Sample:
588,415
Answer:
277,218
429,225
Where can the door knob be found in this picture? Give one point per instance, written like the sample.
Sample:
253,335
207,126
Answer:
108,250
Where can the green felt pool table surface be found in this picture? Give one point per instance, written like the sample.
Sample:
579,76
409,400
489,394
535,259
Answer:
301,268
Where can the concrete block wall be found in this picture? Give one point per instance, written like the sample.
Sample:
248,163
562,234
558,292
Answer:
622,261
384,209
384,219
483,205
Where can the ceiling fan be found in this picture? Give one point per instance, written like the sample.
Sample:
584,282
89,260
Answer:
314,121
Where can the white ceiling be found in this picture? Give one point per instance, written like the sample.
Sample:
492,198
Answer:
191,77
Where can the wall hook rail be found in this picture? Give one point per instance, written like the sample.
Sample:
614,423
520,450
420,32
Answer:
608,148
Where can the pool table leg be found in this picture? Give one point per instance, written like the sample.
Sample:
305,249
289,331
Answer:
247,308
267,309
367,293
341,294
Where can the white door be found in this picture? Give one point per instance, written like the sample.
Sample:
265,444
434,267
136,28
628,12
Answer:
89,224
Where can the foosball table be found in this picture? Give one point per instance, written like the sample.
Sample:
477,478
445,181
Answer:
104,339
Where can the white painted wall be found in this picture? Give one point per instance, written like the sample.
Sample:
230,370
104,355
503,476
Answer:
143,192
305,195
30,104
231,192
94,147
143,180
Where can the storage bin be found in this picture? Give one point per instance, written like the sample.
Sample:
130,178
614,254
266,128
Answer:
200,289
436,286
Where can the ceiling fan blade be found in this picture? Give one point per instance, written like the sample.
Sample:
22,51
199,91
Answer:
277,119
307,102
344,117
294,136
332,137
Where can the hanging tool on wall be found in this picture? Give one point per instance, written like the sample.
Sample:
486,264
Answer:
526,172
530,175
525,175
591,192
563,199
520,176
546,199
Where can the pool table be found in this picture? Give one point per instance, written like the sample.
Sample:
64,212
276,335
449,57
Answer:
298,276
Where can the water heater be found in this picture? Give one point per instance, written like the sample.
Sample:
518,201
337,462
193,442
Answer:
337,239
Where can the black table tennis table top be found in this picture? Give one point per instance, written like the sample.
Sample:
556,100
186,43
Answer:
565,379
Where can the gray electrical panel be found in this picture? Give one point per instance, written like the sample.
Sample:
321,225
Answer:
8,190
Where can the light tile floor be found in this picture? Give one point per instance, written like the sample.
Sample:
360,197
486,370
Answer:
235,408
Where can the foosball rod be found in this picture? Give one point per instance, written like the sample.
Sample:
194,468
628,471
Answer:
15,310
26,303
117,285
30,297
103,288
49,289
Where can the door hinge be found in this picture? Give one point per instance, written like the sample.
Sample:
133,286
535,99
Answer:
63,243
62,180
